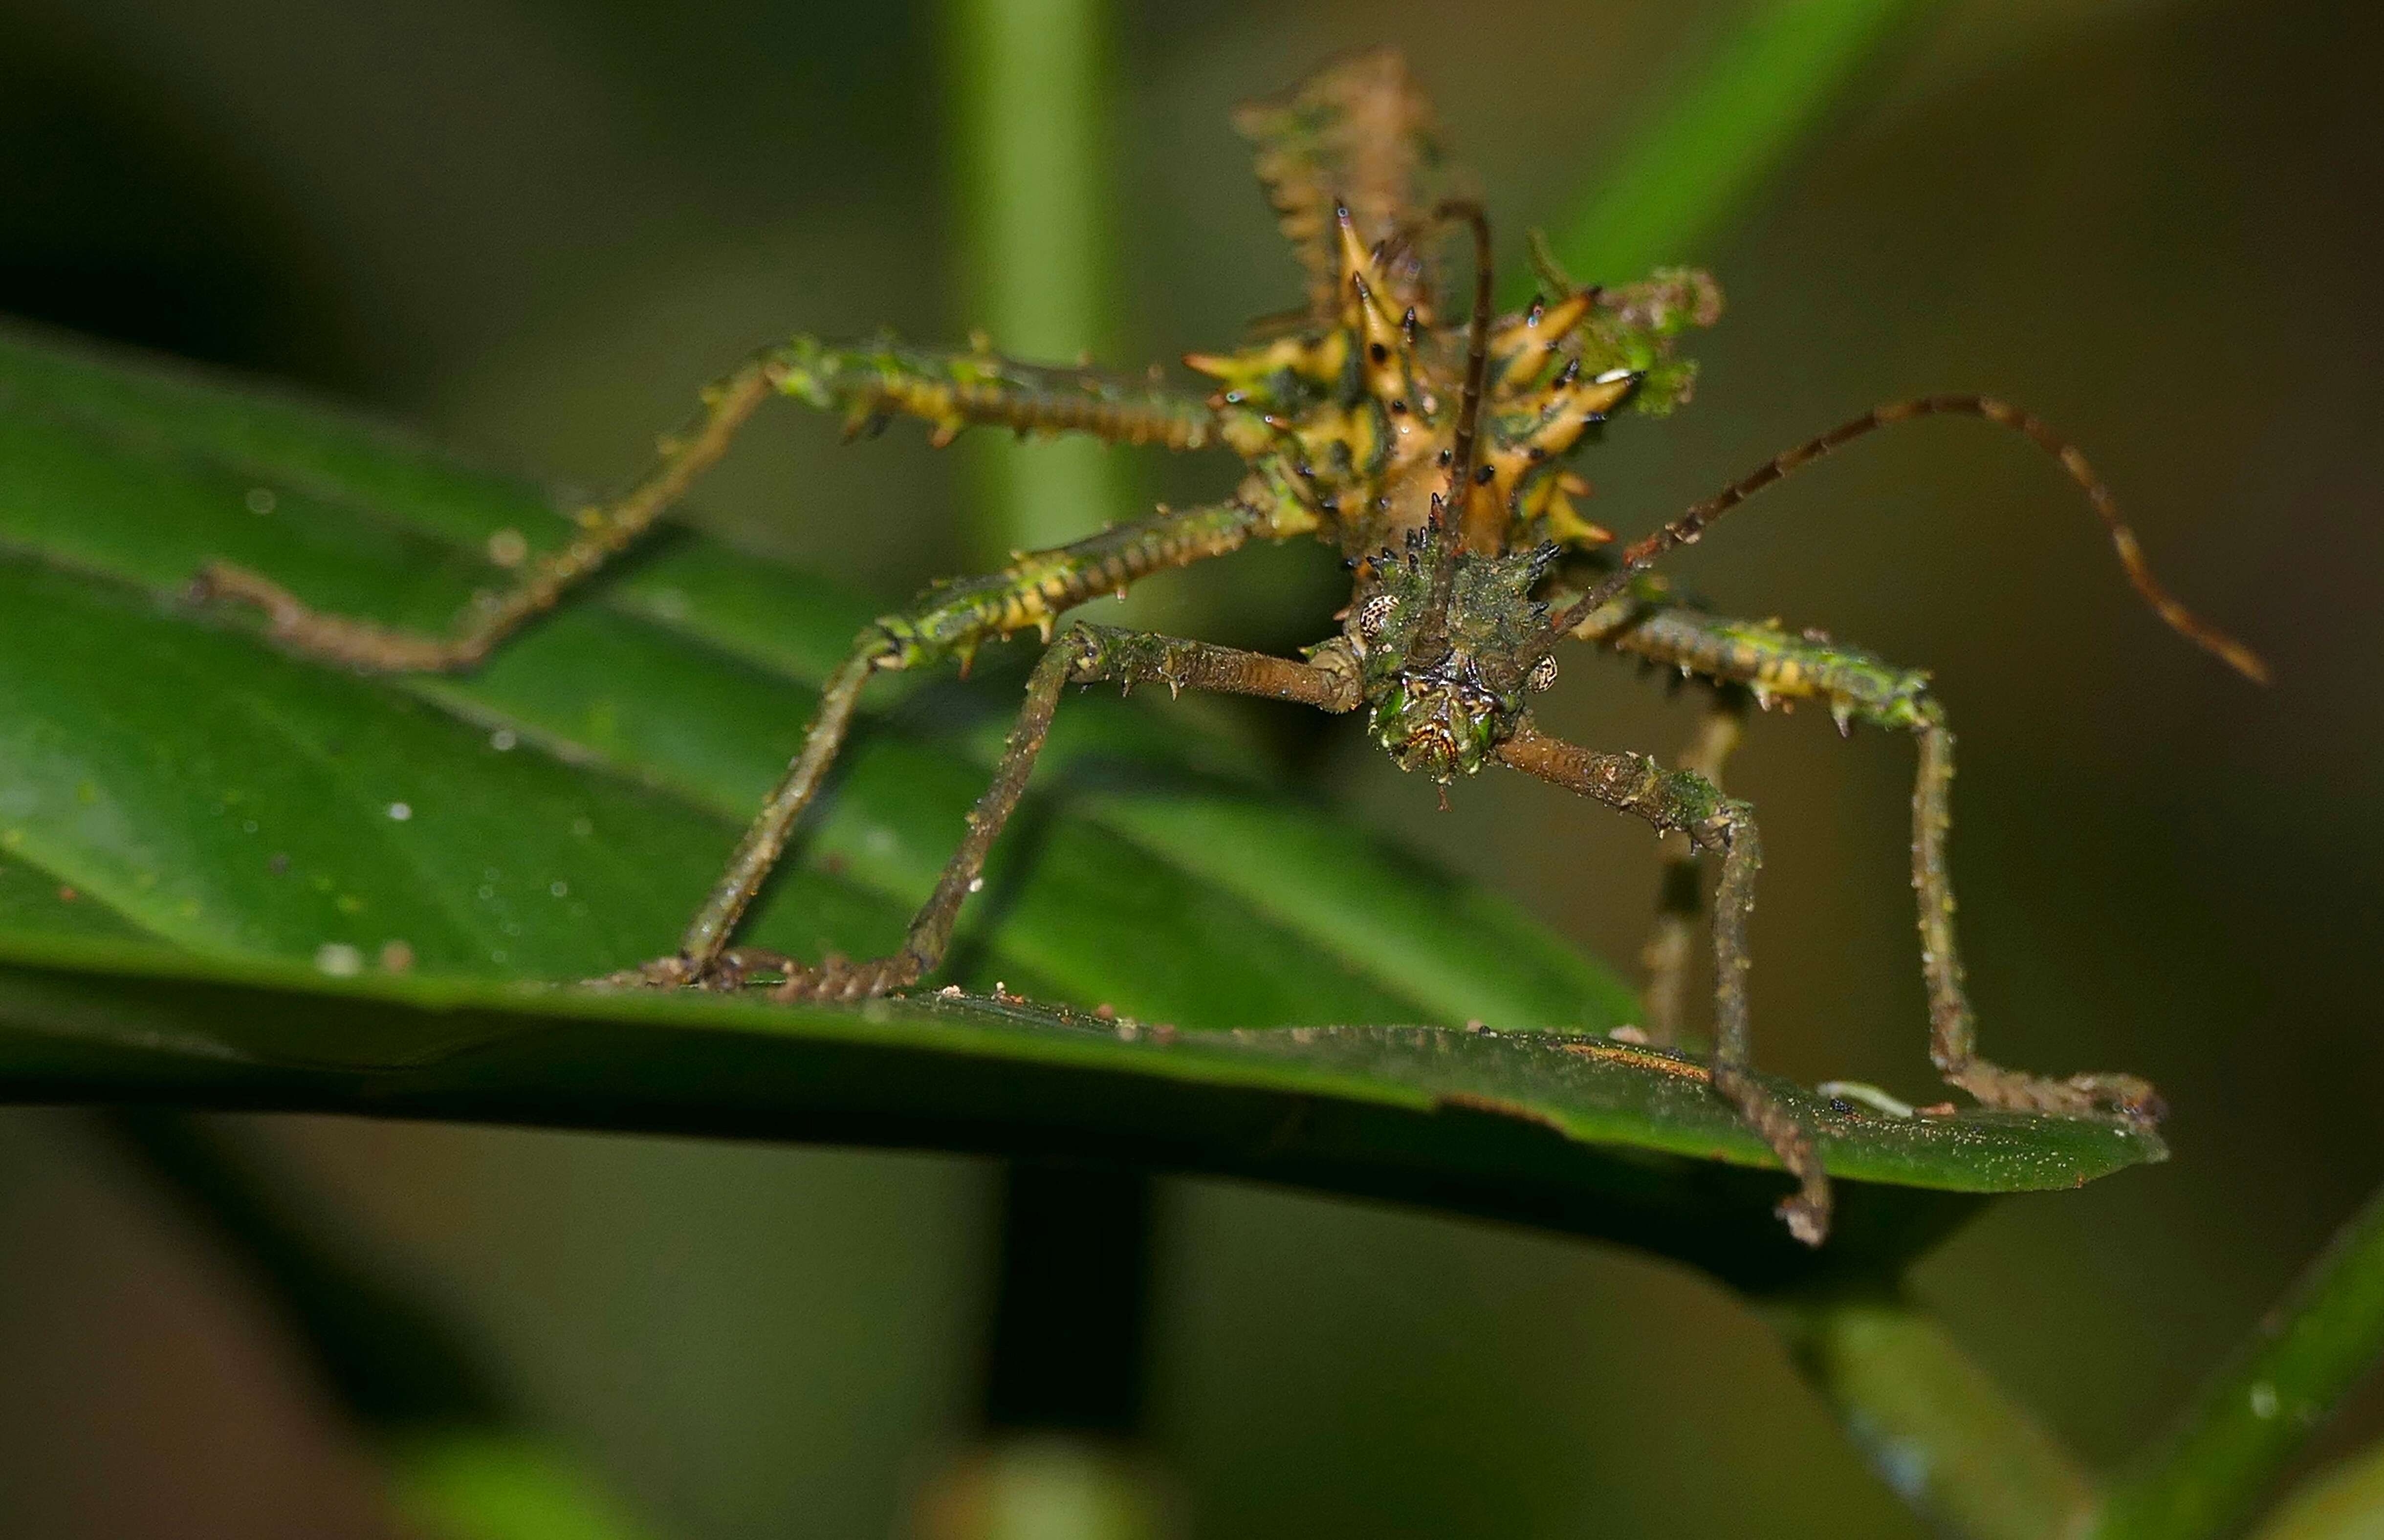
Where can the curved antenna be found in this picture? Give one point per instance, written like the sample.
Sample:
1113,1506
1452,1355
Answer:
1691,525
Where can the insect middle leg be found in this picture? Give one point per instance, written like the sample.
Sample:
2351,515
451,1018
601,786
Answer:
1083,654
948,621
1775,664
1680,901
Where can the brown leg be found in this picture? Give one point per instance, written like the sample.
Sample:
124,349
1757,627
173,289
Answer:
1953,1030
950,390
1773,664
605,530
1683,802
950,620
1672,940
1084,656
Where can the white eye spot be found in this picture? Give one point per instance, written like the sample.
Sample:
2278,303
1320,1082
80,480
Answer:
1543,675
1375,613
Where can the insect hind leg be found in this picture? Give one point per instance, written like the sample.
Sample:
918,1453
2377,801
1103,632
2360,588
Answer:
1776,665
1953,1028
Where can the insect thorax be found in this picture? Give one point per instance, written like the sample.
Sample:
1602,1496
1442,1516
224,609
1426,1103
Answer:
1348,426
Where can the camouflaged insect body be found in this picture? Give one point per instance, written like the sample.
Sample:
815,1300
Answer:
1452,496
1350,424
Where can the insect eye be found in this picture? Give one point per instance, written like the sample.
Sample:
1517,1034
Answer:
1375,613
1543,675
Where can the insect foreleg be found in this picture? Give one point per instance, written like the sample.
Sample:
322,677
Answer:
1687,802
1084,654
951,620
1681,896
606,529
950,390
1774,664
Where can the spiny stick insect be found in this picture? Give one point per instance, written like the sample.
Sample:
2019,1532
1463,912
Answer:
1433,455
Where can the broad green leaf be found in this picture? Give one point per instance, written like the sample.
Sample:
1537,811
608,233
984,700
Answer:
231,876
1572,1132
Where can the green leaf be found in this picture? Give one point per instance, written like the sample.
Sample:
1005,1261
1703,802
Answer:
2256,1414
1572,1132
1721,130
295,887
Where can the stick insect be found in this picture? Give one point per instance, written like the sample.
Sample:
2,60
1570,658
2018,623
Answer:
1434,454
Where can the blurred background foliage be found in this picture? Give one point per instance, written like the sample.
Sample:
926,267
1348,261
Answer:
533,227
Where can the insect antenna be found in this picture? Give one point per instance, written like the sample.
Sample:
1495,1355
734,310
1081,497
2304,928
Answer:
1448,510
1687,529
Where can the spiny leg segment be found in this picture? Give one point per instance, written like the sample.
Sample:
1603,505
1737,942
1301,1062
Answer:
950,390
1084,654
1680,901
947,621
1629,610
1772,664
1685,803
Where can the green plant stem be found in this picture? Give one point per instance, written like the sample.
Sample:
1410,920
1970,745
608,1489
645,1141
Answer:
1729,125
1028,80
1934,1426
2343,1502
2206,1477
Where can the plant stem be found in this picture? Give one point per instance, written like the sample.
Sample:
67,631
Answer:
1725,129
2344,1502
1028,84
1935,1426
2206,1477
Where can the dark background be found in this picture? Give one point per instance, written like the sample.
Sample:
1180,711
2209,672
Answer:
534,227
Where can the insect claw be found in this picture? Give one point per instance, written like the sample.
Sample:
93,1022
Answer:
1843,713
